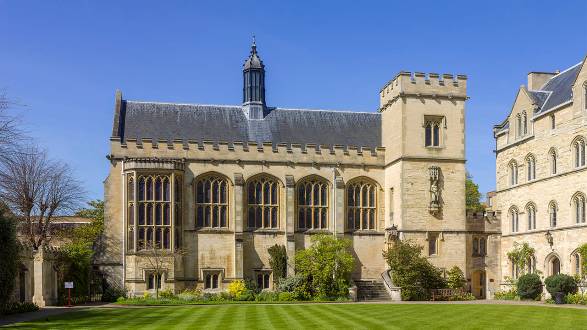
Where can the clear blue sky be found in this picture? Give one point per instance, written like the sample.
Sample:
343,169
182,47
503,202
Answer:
65,59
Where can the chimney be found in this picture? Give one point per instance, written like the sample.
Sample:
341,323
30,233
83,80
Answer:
537,79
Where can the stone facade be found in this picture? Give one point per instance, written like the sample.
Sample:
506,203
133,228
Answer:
409,159
541,177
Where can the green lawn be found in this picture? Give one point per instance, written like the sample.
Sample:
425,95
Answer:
318,316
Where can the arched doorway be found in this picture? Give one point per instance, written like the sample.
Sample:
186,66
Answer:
555,266
478,284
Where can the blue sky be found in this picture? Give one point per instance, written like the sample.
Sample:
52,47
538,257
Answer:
65,59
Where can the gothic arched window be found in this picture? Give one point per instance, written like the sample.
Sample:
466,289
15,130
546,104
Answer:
579,207
579,152
262,202
312,201
552,161
361,205
524,123
513,171
531,167
552,212
514,219
531,213
432,132
212,201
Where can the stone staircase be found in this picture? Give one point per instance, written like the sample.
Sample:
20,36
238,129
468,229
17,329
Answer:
371,290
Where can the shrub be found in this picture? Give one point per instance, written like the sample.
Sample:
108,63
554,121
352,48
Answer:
286,296
267,296
146,295
237,288
18,307
412,272
456,278
560,283
112,294
278,261
463,296
529,286
297,285
190,295
327,265
576,298
9,254
511,294
166,294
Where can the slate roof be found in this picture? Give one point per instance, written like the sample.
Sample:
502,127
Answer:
559,89
168,121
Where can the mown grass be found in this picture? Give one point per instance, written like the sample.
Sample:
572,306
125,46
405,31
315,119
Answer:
339,316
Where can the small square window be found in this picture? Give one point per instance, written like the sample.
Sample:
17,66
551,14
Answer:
263,280
153,280
212,279
432,244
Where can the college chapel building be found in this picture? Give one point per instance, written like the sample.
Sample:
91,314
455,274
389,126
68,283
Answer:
223,183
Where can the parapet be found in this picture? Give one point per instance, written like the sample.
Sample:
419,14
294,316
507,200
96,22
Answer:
419,84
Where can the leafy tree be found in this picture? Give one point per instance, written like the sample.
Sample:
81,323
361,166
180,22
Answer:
456,278
9,255
278,261
529,286
411,271
521,255
327,264
583,253
473,196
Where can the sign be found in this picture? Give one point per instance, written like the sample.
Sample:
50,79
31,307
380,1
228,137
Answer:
69,285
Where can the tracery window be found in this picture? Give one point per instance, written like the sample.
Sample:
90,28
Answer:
552,211
432,132
552,159
514,219
513,170
579,152
531,213
212,201
263,203
531,167
312,203
577,263
579,207
519,125
524,123
212,279
361,205
153,215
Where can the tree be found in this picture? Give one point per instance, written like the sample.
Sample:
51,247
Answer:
521,255
159,259
278,262
10,135
411,271
36,189
327,264
9,255
456,278
473,196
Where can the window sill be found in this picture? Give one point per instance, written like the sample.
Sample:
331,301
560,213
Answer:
264,231
434,147
213,230
313,231
365,232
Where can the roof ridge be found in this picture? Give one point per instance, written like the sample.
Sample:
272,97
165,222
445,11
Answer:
558,74
192,104
326,110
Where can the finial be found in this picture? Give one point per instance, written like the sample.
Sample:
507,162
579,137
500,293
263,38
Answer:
254,46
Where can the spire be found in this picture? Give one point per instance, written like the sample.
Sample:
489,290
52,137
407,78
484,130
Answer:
254,46
254,84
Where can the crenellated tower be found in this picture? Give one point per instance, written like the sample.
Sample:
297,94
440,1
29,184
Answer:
423,132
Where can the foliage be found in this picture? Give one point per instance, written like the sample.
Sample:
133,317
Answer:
529,286
267,296
167,293
286,296
112,294
298,285
9,256
237,288
278,261
463,296
472,195
18,307
91,232
511,294
560,283
576,298
190,295
456,278
582,250
411,271
327,265
520,255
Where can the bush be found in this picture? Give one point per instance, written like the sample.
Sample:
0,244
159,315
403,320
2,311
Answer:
190,295
412,272
463,296
9,255
278,261
286,296
297,285
456,278
237,288
112,294
267,296
560,283
529,286
166,294
327,265
18,307
511,294
576,298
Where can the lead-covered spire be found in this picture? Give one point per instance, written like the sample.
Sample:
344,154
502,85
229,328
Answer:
254,84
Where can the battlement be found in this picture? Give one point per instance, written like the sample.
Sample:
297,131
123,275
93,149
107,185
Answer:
419,84
251,152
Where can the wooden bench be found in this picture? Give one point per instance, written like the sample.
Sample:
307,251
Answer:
444,294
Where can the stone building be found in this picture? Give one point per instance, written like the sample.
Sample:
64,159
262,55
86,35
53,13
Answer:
224,183
541,177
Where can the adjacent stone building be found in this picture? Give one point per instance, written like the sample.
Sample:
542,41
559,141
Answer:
541,177
224,183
